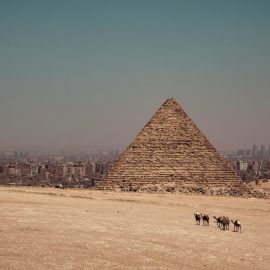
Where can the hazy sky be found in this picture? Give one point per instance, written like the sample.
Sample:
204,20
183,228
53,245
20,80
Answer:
92,73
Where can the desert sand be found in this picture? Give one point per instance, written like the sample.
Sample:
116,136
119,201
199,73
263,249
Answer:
46,228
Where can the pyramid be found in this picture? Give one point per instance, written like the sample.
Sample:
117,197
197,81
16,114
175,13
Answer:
169,152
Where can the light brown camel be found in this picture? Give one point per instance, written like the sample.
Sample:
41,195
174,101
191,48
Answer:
205,219
237,225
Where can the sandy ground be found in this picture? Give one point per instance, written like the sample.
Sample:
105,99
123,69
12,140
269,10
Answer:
262,186
42,228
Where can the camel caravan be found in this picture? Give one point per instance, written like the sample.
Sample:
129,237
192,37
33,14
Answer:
222,222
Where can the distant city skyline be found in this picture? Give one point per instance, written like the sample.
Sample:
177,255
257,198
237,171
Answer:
91,74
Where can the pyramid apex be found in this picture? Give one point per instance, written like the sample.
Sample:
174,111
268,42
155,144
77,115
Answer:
170,101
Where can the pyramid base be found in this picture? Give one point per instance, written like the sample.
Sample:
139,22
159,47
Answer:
237,190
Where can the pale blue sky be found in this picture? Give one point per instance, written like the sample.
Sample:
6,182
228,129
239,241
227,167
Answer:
90,74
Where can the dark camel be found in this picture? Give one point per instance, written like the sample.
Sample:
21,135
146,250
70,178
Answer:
218,220
205,219
226,223
237,225
197,218
223,222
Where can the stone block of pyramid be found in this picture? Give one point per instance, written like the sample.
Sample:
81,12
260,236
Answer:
169,150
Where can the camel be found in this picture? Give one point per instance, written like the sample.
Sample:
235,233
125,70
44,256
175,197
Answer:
237,225
226,223
205,219
197,218
218,220
223,222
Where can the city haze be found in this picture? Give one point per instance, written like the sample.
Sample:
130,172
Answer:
89,75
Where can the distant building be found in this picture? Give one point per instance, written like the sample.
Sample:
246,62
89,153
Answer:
256,166
79,170
242,165
90,169
241,152
102,167
248,152
262,153
14,171
254,150
21,155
